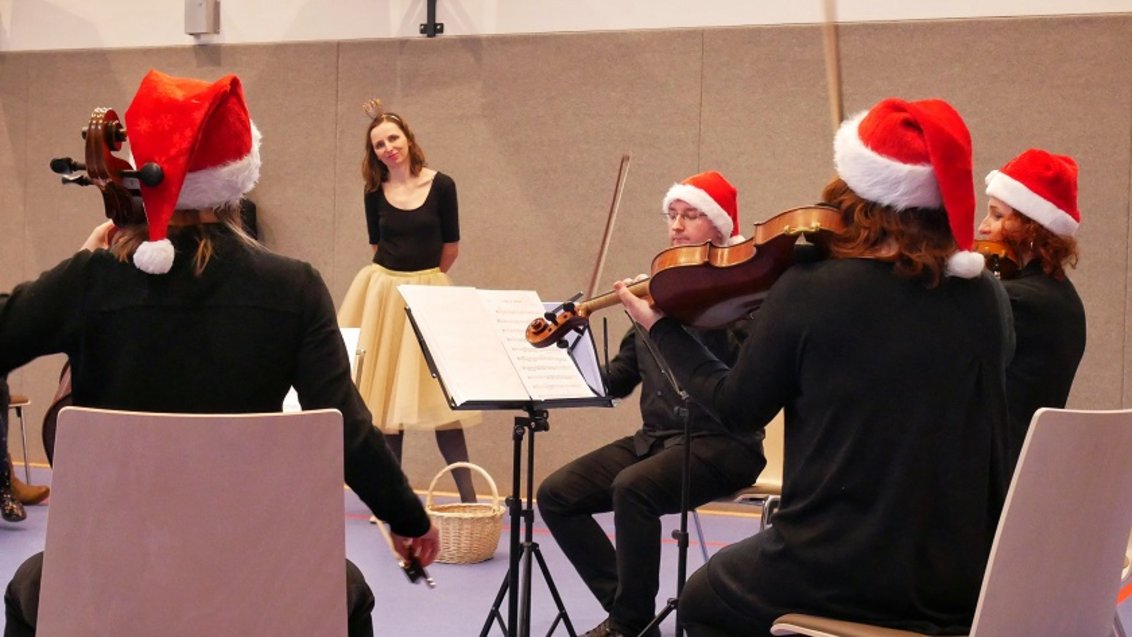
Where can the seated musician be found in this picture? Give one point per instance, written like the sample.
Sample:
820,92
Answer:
185,313
888,359
639,477
1033,211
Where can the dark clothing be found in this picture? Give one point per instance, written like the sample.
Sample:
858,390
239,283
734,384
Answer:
639,479
895,443
410,240
1049,328
635,365
21,600
232,340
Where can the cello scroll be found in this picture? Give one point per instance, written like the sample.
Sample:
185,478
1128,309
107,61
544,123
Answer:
117,180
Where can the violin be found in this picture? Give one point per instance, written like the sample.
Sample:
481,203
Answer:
114,177
709,286
1000,258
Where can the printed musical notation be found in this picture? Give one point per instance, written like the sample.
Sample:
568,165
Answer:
485,357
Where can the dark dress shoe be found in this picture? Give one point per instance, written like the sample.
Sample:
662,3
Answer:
10,508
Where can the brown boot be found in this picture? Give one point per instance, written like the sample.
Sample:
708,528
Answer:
29,493
26,493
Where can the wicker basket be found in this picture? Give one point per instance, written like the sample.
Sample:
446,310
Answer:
469,532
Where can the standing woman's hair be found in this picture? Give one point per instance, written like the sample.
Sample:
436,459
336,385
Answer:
373,170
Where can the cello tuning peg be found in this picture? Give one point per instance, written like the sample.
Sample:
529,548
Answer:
561,343
550,317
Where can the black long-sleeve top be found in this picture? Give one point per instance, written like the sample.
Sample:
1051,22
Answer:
232,340
895,442
1049,327
635,365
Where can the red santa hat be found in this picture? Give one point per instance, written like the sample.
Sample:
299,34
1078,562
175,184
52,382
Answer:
1042,186
206,144
712,195
914,155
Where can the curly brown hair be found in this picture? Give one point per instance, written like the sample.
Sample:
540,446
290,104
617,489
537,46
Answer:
917,240
1053,251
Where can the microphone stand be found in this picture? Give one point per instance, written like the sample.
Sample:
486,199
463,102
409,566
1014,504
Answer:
681,534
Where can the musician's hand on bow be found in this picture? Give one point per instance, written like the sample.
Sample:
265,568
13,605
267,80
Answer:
640,309
425,547
99,238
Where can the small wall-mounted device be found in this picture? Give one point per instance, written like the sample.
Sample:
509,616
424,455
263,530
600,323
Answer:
202,17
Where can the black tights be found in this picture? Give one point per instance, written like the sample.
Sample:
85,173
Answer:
454,448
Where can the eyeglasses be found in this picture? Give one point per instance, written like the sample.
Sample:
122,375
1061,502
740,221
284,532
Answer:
688,216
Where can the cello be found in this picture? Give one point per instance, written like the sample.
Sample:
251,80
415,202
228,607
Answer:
709,286
120,186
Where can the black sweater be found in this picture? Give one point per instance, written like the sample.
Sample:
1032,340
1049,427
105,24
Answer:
895,443
232,340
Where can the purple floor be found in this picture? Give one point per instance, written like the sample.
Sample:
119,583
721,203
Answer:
463,597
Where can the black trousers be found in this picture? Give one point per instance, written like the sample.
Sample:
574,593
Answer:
639,489
21,600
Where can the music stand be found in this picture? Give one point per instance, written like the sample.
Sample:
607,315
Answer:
429,310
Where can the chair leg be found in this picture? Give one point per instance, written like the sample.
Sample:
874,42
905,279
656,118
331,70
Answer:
24,441
770,505
700,534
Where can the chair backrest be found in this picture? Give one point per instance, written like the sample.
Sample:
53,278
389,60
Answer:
774,448
1054,568
174,524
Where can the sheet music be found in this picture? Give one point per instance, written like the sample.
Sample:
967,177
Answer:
460,335
548,372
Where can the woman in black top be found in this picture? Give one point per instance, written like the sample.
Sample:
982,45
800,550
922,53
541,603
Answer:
1033,210
412,217
888,359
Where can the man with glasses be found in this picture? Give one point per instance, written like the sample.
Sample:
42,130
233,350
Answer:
638,477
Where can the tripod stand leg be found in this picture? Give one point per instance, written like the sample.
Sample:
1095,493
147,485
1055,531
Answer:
656,621
494,613
565,618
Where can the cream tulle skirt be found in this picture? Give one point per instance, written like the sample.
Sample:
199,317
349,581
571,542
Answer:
395,382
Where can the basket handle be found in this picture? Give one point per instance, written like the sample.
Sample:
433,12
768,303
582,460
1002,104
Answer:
463,465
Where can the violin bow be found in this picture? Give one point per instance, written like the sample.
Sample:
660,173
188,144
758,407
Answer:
413,569
622,175
832,62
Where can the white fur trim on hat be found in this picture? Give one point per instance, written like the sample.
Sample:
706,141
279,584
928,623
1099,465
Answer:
880,179
700,200
222,184
154,257
1027,202
965,264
